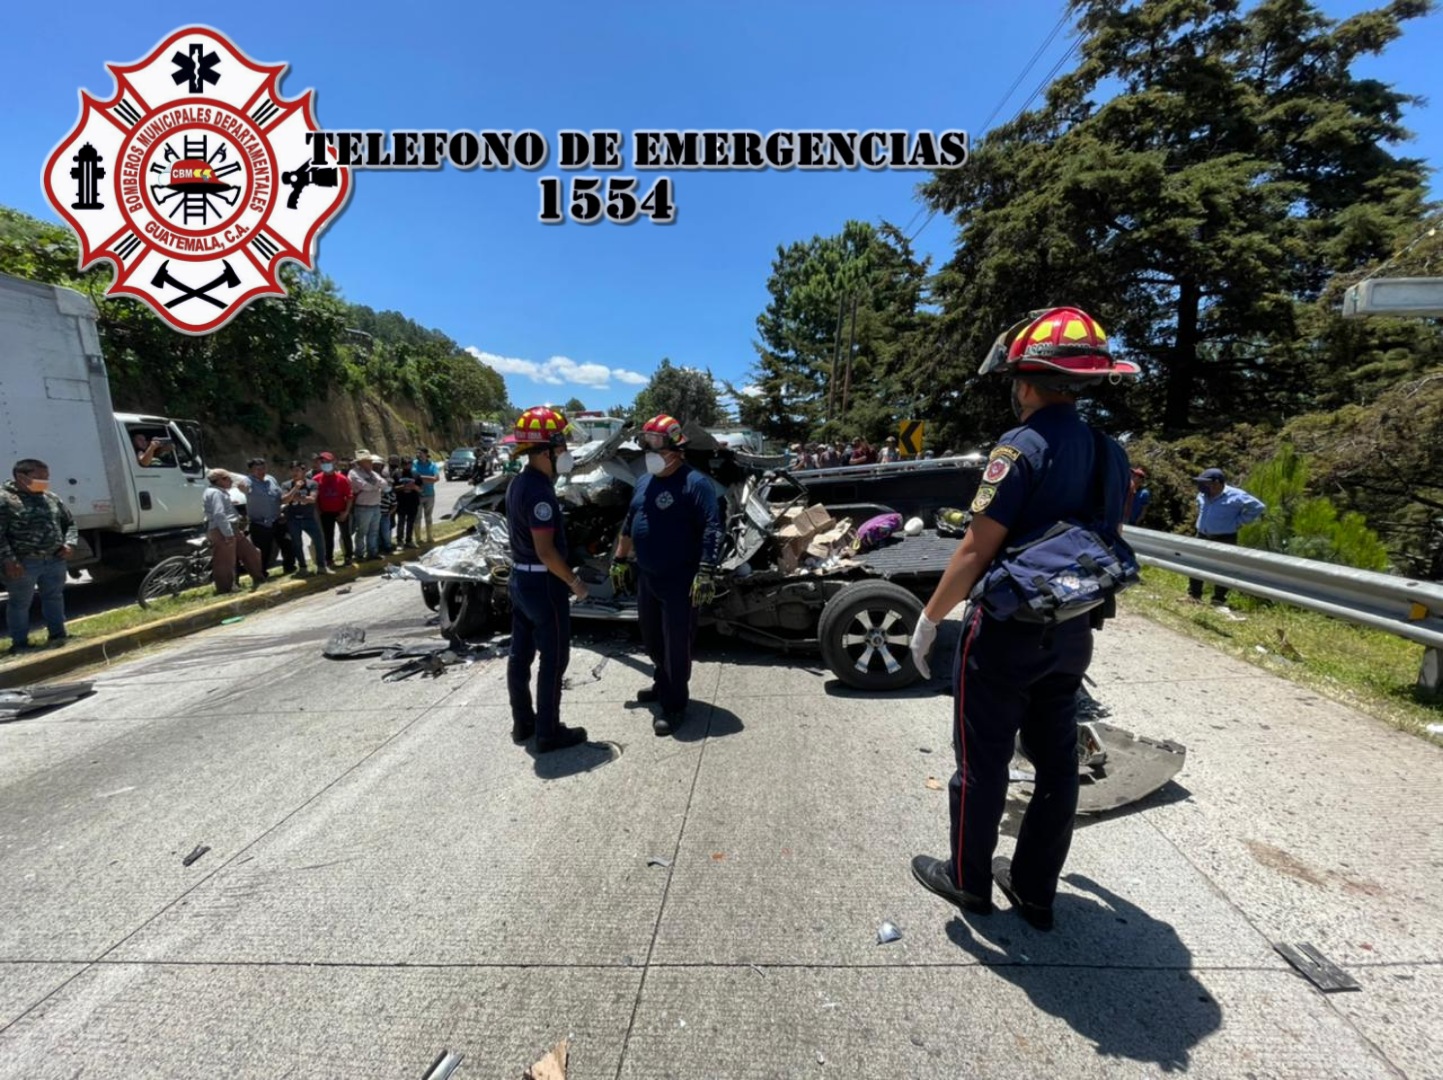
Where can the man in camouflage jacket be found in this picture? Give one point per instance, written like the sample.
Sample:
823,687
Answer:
37,534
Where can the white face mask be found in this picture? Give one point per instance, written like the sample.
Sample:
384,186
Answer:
328,467
655,463
564,463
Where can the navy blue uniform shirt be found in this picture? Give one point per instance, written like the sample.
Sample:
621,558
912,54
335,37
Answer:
674,523
1043,472
531,504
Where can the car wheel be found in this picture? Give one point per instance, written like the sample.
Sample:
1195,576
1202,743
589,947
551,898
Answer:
465,610
431,594
865,631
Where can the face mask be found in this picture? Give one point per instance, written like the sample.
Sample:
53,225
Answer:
328,467
655,463
564,463
37,486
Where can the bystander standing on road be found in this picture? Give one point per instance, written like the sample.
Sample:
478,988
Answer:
366,486
427,474
333,501
889,452
408,505
37,535
388,504
227,542
674,529
1221,511
264,519
298,500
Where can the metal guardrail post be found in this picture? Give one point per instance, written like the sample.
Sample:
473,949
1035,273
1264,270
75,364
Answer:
1407,607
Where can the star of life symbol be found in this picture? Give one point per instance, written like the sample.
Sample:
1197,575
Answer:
195,180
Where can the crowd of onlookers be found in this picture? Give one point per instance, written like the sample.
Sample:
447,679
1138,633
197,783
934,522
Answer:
374,505
841,454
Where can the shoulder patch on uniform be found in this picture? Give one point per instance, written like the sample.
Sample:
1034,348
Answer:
543,511
983,499
996,470
1011,453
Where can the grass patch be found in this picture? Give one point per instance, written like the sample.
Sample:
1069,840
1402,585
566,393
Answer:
133,615
1370,670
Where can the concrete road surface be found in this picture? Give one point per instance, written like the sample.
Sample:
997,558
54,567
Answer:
389,876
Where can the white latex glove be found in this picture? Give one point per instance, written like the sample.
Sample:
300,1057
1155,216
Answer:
922,640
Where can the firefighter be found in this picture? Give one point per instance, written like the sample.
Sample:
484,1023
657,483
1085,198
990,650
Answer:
541,578
669,547
1012,676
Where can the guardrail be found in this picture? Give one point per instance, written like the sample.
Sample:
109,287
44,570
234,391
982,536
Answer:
1408,607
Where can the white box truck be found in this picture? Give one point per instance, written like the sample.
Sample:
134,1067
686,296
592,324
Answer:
55,406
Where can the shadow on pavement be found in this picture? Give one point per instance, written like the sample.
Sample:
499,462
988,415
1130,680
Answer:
1158,1020
588,757
719,723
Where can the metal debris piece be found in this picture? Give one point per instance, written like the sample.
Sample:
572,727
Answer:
552,1066
1320,971
821,1058
200,850
428,666
343,590
657,860
444,1065
1021,776
1115,766
349,643
26,699
924,749
887,933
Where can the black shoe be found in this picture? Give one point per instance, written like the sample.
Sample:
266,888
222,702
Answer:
1035,915
667,723
55,641
564,739
933,875
521,732
19,649
647,694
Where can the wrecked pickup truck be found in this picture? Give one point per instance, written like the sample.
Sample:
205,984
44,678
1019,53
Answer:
792,576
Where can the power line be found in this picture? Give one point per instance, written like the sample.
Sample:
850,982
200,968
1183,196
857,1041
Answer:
1046,80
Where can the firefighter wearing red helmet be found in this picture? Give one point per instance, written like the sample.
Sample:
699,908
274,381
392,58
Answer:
671,538
541,579
1011,676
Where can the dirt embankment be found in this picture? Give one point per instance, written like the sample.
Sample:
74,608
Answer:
344,422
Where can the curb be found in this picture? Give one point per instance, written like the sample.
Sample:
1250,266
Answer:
101,650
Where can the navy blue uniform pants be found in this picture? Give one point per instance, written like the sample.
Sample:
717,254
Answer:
1011,678
540,625
668,630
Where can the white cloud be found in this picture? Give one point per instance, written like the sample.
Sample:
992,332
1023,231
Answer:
750,391
559,371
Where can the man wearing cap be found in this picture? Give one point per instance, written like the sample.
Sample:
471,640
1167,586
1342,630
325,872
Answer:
1221,511
890,453
333,500
264,512
674,530
366,487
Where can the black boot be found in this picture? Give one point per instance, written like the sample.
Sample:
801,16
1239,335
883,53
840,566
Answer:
563,738
1035,915
933,874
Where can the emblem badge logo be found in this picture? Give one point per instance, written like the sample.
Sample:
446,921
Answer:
664,500
194,180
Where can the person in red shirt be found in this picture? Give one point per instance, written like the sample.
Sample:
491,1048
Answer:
333,500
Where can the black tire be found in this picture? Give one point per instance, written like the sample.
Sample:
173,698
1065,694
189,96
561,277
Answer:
169,577
865,631
465,610
431,595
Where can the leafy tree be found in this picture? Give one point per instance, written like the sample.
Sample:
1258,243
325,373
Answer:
1238,164
575,405
1308,526
686,393
801,382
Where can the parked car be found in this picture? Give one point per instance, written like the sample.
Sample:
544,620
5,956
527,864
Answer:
460,463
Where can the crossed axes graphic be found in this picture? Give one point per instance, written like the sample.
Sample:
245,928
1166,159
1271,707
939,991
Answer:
164,277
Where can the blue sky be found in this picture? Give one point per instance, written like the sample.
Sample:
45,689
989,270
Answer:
590,310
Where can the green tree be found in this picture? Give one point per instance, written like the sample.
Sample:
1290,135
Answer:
689,394
575,405
1237,164
801,381
1304,525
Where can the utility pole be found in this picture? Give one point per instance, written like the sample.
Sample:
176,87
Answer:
836,352
851,346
